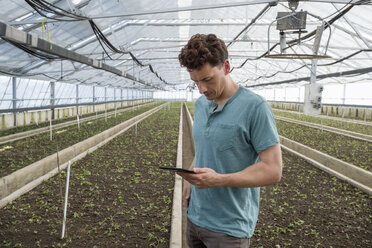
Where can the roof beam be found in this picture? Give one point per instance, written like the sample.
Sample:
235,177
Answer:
206,7
335,74
32,41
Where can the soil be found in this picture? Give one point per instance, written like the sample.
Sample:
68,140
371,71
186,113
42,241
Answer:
310,208
117,198
351,150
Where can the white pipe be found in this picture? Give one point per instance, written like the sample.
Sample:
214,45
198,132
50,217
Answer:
78,121
66,198
136,129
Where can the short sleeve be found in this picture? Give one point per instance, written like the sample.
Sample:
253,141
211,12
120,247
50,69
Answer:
263,130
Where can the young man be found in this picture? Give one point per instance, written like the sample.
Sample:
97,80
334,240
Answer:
236,150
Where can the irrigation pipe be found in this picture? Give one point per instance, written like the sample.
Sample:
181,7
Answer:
66,199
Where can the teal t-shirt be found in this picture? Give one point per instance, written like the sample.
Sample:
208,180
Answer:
229,140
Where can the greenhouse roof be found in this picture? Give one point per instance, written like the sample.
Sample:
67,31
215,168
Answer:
135,44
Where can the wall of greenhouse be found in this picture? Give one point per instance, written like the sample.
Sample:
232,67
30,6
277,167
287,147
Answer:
32,94
29,101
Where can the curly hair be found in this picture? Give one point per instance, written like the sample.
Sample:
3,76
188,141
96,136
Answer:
202,49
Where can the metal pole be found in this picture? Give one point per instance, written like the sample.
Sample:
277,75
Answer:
66,198
115,101
52,98
94,98
77,99
121,97
50,128
14,90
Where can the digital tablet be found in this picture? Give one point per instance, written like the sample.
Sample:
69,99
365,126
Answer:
176,169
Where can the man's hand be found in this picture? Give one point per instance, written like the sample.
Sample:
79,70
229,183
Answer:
202,178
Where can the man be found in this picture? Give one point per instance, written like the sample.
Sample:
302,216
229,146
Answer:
236,150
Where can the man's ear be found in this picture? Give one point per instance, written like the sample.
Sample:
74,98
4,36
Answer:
226,67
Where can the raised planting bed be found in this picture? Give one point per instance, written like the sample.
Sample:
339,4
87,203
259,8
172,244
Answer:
310,208
347,149
359,128
118,196
29,127
20,153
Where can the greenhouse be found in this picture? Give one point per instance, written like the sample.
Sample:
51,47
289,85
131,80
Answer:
187,123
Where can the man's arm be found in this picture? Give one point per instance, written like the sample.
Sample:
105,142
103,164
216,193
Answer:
266,172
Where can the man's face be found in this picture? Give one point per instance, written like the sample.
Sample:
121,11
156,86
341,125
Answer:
211,81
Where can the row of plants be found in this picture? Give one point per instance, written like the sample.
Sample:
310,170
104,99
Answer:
346,125
118,196
18,154
310,208
351,150
20,129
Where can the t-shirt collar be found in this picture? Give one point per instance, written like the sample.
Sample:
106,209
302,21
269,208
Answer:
213,105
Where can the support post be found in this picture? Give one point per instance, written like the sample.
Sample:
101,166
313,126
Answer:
344,95
121,97
52,98
105,98
14,100
313,92
94,98
115,100
77,99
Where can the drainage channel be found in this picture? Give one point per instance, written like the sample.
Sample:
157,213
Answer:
21,181
23,135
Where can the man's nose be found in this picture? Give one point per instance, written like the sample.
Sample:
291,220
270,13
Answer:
202,88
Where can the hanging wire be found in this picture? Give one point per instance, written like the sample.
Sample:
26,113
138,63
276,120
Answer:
31,51
297,41
42,5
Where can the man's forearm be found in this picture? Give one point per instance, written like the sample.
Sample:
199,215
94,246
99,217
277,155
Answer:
266,172
259,174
